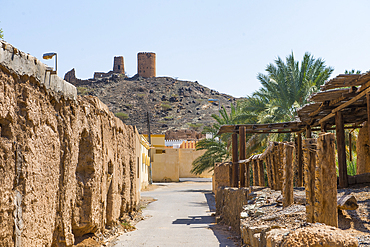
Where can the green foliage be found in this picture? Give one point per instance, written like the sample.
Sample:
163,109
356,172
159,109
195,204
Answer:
141,95
216,152
84,90
168,118
351,72
166,107
1,33
195,126
285,88
121,115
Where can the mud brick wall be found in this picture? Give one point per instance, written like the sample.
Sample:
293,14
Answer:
229,204
221,176
67,164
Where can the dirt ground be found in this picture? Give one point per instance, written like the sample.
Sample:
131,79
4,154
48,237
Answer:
126,225
264,209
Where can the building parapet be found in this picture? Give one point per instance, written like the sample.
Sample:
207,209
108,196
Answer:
24,64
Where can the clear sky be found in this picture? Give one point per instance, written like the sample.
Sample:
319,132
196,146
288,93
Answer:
220,44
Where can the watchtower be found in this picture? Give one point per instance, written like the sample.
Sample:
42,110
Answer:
146,64
118,66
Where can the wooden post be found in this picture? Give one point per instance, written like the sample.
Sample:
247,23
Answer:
350,145
255,173
287,190
309,154
261,173
281,165
326,182
247,174
299,160
242,155
308,132
235,181
368,113
268,171
275,160
341,149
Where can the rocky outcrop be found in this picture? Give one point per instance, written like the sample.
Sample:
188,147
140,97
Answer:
67,164
172,103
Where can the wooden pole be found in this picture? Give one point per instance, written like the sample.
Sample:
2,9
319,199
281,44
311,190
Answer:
261,173
309,154
235,180
368,113
300,160
350,145
268,170
341,150
287,190
242,155
308,132
255,173
326,210
247,174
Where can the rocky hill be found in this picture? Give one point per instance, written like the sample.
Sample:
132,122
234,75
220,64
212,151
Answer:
172,103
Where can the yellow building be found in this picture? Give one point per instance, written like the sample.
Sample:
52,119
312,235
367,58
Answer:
170,164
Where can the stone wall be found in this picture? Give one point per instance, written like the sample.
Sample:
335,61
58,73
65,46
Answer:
67,164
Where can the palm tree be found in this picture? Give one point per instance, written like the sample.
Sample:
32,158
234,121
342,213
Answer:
285,88
217,148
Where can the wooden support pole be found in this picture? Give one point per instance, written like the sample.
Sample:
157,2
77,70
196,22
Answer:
275,160
261,173
255,173
287,190
268,171
326,182
350,145
247,174
341,150
242,155
299,160
309,154
280,166
368,112
235,173
308,132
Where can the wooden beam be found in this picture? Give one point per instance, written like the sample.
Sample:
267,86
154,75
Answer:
235,180
242,143
300,160
341,150
344,105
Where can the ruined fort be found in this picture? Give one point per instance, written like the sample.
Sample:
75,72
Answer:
146,67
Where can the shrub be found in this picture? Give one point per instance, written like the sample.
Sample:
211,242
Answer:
121,115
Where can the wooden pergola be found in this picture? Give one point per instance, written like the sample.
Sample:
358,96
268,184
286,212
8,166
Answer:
343,103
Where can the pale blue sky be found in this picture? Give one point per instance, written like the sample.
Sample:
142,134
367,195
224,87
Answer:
220,44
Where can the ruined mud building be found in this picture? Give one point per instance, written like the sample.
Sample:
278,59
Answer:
146,67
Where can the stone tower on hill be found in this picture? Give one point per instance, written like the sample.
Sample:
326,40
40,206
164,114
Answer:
118,66
146,64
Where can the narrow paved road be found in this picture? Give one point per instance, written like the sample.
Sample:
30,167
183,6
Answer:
181,216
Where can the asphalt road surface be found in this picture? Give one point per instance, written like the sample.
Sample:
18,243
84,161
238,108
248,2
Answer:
181,216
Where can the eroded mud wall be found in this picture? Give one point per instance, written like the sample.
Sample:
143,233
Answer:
67,165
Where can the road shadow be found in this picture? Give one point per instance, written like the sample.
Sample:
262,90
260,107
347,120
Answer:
224,235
